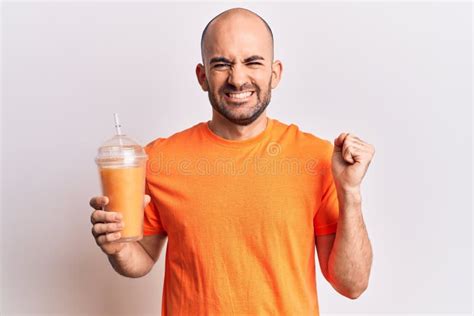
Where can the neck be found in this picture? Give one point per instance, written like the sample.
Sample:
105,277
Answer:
231,131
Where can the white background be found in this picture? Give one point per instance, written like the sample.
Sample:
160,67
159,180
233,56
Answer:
398,75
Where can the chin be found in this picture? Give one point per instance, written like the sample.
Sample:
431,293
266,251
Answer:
243,119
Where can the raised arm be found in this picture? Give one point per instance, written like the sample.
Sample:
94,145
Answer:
346,257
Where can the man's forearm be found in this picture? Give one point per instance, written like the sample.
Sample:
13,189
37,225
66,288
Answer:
350,260
132,261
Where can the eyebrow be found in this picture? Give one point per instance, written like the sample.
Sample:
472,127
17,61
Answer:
225,60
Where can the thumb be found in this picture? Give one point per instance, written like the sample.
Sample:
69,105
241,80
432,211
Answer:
146,199
339,141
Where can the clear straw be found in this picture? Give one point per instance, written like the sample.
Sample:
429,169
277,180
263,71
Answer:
117,124
118,129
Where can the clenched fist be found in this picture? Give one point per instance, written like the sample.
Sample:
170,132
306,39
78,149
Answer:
350,159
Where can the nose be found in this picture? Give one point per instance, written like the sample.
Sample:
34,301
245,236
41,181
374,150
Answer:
237,77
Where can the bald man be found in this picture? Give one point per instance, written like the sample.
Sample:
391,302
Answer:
243,199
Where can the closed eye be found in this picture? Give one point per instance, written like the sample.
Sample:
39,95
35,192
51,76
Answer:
225,65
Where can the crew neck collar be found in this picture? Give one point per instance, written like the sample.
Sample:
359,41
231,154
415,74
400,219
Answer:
237,143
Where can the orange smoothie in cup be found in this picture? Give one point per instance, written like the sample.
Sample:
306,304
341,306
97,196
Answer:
125,188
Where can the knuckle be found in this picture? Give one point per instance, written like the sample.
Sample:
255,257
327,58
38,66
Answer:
116,226
115,216
100,240
96,229
111,236
95,216
110,228
147,199
110,216
108,237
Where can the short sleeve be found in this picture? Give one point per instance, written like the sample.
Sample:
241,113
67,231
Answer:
327,215
152,222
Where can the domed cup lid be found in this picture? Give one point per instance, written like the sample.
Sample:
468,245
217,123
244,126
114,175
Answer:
120,150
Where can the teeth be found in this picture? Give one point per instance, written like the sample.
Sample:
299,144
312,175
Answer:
242,95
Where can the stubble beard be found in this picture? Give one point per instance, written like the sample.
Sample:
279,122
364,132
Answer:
250,115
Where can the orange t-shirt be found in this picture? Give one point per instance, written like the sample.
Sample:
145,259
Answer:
241,219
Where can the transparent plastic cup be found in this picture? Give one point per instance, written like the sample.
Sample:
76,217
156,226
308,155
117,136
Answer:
122,169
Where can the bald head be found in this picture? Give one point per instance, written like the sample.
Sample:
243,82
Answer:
237,18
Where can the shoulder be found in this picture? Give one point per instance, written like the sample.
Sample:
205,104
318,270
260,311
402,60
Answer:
175,141
304,140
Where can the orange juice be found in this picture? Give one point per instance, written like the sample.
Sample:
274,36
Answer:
125,188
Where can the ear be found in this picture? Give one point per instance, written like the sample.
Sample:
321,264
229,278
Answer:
277,70
201,77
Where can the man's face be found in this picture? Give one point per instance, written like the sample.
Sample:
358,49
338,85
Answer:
238,69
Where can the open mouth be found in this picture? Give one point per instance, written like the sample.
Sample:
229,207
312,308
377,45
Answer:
239,97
